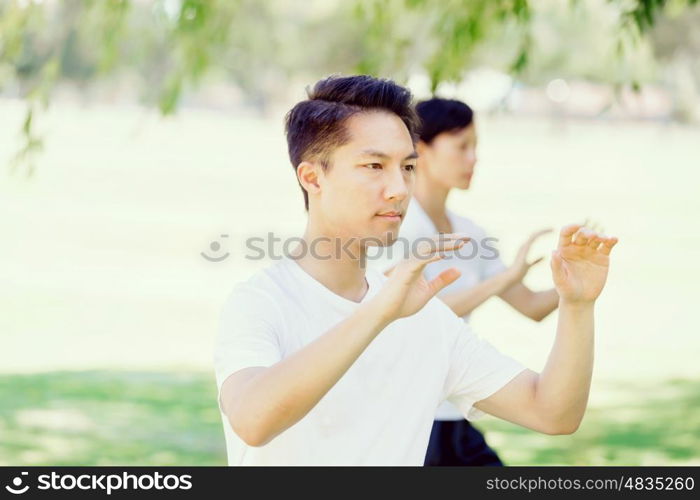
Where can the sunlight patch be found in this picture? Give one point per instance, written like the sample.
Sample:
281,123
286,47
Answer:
55,419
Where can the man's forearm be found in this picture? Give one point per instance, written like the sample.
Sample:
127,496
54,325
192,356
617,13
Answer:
563,386
279,396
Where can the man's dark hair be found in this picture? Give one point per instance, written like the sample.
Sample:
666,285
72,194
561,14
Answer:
439,115
316,126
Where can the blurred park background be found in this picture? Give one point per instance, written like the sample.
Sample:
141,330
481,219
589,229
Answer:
134,135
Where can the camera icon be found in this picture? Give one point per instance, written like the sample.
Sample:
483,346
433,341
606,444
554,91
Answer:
16,488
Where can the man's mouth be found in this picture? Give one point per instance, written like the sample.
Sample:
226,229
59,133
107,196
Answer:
391,215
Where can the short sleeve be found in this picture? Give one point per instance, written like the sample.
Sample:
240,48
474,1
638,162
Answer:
477,369
490,263
248,333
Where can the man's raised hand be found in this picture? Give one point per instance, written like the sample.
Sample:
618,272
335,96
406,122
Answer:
407,291
580,263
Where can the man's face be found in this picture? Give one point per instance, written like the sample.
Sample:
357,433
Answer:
366,189
450,158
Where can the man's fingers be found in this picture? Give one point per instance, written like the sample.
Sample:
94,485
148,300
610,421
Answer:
443,279
567,232
587,237
424,261
608,244
442,238
435,249
414,267
583,236
445,246
450,236
595,242
440,244
580,239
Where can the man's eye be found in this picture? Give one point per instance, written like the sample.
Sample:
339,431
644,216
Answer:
410,168
374,166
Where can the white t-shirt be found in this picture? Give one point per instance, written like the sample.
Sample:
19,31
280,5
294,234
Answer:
477,261
381,411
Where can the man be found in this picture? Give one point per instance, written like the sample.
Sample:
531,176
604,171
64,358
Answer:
316,357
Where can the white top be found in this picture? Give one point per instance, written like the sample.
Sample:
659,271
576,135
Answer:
381,411
477,261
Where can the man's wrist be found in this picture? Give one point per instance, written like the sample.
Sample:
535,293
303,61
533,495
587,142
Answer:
377,313
576,306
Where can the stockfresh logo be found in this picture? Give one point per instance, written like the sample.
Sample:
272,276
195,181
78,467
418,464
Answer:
17,486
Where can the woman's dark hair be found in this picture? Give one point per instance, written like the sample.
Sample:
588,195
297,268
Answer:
442,115
316,126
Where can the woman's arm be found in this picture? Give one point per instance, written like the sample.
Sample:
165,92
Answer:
463,302
534,305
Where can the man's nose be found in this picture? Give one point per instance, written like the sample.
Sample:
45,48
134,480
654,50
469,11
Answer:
396,187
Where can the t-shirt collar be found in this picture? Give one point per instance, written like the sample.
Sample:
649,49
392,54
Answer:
340,301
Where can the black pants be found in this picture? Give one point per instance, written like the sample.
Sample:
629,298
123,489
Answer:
456,442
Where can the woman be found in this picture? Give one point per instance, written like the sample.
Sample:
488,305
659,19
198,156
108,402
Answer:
447,156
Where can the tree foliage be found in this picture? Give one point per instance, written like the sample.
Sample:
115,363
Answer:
170,45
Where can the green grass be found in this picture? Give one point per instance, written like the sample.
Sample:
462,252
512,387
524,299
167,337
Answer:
141,418
101,418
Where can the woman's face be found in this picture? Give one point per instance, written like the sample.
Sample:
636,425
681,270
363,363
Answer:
450,158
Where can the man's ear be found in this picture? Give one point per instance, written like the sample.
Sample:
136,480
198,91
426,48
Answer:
308,176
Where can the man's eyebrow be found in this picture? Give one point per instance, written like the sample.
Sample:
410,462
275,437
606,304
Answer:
384,156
